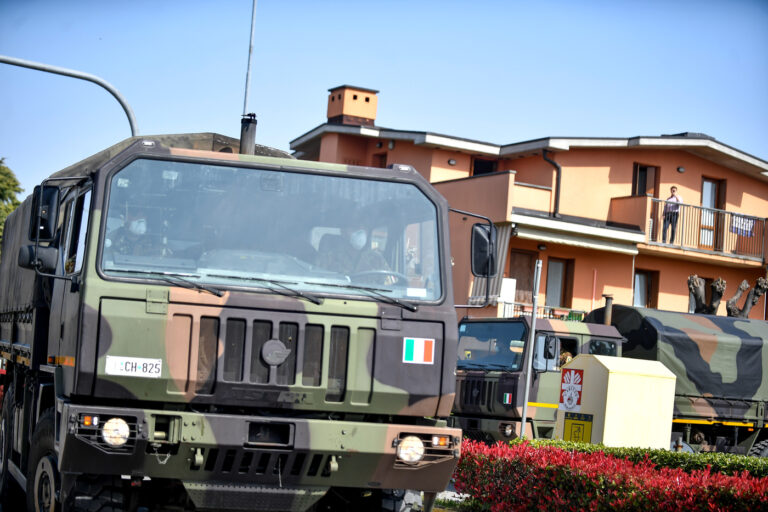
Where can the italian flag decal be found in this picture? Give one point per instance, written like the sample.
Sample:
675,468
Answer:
419,350
507,398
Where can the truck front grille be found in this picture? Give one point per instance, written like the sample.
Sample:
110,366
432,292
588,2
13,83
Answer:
237,351
258,463
477,392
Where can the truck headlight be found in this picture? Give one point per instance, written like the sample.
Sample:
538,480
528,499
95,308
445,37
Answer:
116,432
410,449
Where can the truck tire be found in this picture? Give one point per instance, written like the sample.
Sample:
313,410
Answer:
760,449
42,474
401,500
6,424
96,494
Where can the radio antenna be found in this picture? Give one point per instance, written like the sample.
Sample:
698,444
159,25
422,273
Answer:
250,52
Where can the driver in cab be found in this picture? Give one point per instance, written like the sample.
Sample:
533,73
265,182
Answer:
351,253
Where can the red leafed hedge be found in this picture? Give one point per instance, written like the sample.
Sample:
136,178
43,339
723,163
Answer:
523,477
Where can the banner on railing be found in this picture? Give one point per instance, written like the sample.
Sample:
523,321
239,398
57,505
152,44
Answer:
742,226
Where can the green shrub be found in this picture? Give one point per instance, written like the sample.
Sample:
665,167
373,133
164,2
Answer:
726,463
524,477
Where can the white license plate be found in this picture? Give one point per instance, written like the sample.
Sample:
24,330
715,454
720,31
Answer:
134,367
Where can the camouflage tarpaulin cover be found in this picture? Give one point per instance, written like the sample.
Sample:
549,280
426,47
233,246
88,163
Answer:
17,285
714,356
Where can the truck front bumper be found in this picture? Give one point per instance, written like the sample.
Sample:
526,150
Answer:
264,451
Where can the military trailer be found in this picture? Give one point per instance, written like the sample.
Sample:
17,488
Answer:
721,364
177,336
490,373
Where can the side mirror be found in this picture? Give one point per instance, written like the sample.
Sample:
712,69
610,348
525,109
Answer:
550,348
483,250
45,213
44,261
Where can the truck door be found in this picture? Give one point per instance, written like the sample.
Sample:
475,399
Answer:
546,384
65,302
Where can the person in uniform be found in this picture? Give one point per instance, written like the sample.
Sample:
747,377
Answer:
132,239
351,252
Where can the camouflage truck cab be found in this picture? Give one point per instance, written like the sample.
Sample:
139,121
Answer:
178,332
720,362
490,382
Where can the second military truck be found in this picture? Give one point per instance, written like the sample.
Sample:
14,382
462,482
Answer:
720,364
490,373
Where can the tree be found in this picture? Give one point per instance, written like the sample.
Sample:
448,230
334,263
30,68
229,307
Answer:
9,188
696,289
732,306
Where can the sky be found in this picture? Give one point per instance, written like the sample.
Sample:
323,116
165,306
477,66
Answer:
488,70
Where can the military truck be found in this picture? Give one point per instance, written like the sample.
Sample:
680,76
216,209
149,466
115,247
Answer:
490,373
172,341
721,363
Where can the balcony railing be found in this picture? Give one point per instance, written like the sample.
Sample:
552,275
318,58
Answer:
513,309
706,230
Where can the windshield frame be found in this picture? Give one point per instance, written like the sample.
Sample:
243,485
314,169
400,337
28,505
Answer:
106,175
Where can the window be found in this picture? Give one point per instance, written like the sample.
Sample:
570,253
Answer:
645,289
644,180
379,160
712,222
602,347
491,345
545,356
568,350
521,265
77,213
482,166
333,234
559,283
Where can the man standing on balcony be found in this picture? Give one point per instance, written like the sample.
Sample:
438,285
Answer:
671,211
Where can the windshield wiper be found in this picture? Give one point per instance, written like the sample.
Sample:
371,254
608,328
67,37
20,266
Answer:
498,366
282,284
462,364
174,278
375,291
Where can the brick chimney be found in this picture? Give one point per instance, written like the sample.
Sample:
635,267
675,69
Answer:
348,104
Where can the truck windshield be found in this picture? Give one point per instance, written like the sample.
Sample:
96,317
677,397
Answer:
491,345
241,227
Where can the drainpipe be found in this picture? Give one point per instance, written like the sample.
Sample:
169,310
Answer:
559,173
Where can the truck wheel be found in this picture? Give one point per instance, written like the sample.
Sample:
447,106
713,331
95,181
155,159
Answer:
43,475
401,500
6,424
97,495
760,449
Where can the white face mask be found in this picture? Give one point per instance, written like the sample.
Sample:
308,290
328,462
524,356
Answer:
358,239
138,226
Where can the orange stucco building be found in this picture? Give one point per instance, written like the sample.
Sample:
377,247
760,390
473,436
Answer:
594,210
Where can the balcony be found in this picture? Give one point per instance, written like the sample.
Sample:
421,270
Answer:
514,309
495,195
707,231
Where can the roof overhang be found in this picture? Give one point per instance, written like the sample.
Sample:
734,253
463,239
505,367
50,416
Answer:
426,139
539,235
577,235
703,147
